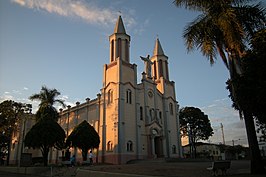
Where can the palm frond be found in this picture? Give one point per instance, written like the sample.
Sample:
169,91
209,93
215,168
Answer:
60,102
200,34
252,18
47,97
35,97
198,5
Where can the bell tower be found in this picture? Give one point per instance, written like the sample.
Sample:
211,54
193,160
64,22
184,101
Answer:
160,71
160,66
118,112
119,43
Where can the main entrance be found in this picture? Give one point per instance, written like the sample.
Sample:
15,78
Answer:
158,146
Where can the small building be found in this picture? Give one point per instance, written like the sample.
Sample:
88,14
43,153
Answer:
262,146
204,151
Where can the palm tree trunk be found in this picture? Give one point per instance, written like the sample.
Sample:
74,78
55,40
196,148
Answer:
84,154
45,153
9,150
257,166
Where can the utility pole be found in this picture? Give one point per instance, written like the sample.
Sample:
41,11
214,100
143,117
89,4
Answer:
222,128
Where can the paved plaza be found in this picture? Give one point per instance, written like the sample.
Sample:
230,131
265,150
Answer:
147,168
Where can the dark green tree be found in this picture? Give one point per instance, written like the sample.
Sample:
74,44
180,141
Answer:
84,137
249,88
251,85
47,112
225,28
45,134
195,125
11,113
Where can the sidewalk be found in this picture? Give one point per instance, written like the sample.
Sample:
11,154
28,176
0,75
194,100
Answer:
173,169
148,168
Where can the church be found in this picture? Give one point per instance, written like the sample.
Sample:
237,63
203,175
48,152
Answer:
134,120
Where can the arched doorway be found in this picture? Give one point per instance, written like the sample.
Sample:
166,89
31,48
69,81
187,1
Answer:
158,146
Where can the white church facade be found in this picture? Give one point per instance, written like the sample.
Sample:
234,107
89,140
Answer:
134,120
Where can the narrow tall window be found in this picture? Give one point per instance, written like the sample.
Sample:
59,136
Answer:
110,97
160,68
119,47
129,96
129,146
155,70
127,51
112,51
109,146
166,70
141,113
171,109
174,149
160,116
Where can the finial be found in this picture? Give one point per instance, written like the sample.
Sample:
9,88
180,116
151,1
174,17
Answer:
120,13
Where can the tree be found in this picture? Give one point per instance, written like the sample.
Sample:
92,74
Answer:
84,137
47,112
44,135
250,87
196,125
11,113
47,97
225,27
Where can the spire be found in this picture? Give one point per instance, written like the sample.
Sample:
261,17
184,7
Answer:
158,50
119,27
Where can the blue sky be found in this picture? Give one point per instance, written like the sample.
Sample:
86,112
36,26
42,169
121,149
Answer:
64,45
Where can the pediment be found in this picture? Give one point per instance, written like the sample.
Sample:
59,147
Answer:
155,126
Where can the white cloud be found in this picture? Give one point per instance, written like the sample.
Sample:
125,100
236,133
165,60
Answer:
142,27
220,111
6,97
25,88
76,9
16,92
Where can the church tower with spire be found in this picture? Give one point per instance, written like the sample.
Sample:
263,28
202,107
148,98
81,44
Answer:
118,100
119,42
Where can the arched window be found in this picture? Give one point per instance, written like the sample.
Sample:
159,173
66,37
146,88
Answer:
127,51
160,116
171,108
152,114
166,70
129,96
112,50
155,70
119,47
109,146
160,68
110,97
141,113
174,149
129,146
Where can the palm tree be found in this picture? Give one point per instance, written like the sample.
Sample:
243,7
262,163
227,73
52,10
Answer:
224,28
47,97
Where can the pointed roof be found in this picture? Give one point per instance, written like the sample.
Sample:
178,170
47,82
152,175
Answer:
119,27
158,50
